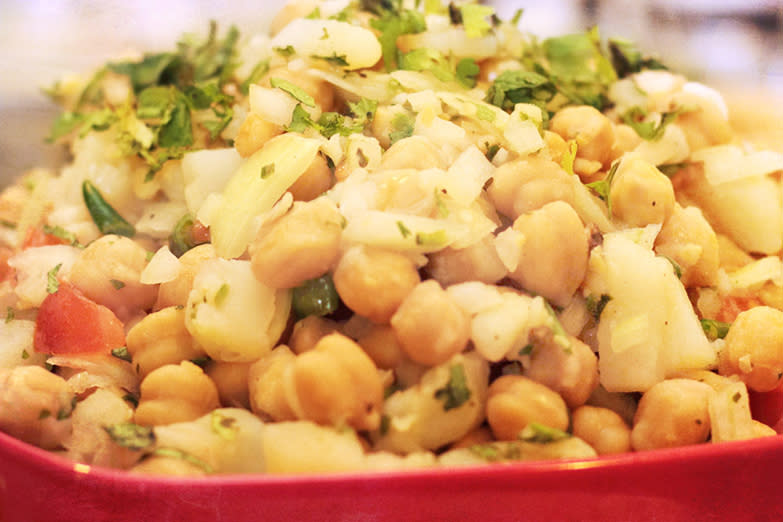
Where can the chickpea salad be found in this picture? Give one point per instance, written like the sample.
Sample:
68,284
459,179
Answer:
389,235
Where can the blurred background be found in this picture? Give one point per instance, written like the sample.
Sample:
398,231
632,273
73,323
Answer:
736,45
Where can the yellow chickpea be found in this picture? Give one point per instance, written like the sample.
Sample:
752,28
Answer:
267,385
514,401
108,271
553,259
602,428
477,262
337,383
689,240
572,372
430,326
175,393
381,344
626,139
640,194
754,348
592,131
527,184
35,406
176,291
373,282
159,339
480,435
230,378
308,331
301,245
253,133
416,152
672,413
317,179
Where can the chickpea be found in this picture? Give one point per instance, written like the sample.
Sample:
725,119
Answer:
230,378
383,123
108,271
593,132
626,140
381,344
301,245
556,146
602,428
416,152
373,282
176,291
253,133
159,339
267,384
35,406
480,435
316,180
477,262
754,348
640,194
308,331
426,341
572,372
514,401
672,413
175,393
528,184
689,240
337,383
553,260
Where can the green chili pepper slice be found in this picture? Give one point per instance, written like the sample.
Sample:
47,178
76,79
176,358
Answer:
108,220
315,297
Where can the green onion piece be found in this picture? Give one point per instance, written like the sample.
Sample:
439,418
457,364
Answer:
315,297
182,238
108,220
131,436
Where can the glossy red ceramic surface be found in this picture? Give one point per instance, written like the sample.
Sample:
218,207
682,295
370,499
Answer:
730,481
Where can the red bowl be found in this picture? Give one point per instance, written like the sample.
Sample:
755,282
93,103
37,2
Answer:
730,481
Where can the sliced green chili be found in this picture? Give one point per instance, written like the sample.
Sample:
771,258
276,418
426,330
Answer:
108,220
315,297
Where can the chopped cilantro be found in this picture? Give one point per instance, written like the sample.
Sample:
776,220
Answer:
338,60
122,353
715,329
52,283
117,284
467,72
628,59
267,170
492,150
426,59
293,90
440,204
25,355
404,231
392,22
527,349
131,436
542,434
596,305
650,130
285,52
403,125
602,187
519,86
258,72
224,426
456,392
10,314
300,120
59,232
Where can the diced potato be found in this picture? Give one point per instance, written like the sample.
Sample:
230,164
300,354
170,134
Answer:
226,294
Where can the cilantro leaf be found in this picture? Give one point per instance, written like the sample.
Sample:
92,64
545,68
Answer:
649,130
392,23
426,59
456,392
467,72
628,59
295,91
131,436
519,86
147,72
403,125
474,19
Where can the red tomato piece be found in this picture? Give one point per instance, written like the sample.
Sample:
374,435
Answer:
731,306
36,237
68,322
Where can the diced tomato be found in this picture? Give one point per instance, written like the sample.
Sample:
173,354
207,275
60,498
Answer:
6,272
731,306
36,237
767,407
68,322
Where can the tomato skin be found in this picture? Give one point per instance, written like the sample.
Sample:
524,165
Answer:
68,323
36,237
767,407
